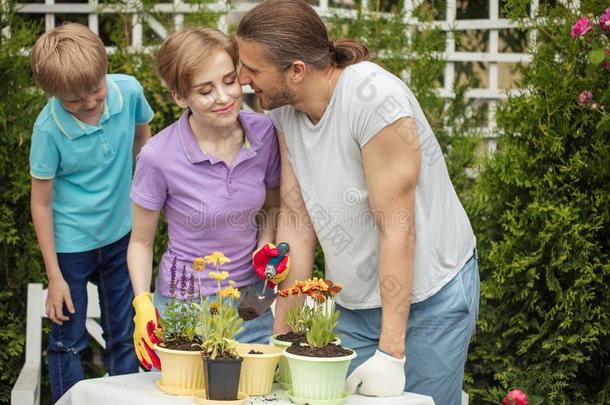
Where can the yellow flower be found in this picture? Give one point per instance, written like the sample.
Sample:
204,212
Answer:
231,283
214,307
198,264
218,275
217,259
230,292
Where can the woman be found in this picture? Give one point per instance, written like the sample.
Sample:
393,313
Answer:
212,173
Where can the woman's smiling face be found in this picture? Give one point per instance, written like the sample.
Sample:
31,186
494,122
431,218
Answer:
215,93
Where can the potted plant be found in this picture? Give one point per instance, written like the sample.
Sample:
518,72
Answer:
177,342
219,323
319,367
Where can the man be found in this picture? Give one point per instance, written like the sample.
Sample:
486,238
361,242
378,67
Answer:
364,174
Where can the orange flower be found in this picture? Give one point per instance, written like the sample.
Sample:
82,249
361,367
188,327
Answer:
316,288
295,289
335,289
318,297
315,284
298,286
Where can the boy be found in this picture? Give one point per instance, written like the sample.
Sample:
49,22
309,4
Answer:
81,166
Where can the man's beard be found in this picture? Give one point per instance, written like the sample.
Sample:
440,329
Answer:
279,96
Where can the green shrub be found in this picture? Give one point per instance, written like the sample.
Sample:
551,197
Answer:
541,212
19,257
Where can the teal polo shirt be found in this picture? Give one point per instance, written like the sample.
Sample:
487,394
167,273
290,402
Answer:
90,165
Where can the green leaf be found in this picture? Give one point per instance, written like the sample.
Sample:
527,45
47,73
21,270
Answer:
597,56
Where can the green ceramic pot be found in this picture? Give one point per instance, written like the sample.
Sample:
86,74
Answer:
283,377
318,378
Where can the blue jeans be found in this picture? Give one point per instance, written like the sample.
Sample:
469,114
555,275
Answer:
257,330
107,268
438,334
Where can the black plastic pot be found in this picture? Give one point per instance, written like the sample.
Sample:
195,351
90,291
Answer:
221,378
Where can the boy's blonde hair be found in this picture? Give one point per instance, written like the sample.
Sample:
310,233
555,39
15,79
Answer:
69,60
184,51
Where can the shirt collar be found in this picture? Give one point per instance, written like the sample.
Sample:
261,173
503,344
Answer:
72,127
194,153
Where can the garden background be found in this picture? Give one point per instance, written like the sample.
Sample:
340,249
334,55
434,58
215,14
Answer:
535,180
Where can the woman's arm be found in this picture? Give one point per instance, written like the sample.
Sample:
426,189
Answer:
267,217
42,217
140,250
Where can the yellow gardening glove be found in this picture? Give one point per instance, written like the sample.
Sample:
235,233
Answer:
146,322
282,271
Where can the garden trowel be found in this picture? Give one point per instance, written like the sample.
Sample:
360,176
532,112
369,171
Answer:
254,303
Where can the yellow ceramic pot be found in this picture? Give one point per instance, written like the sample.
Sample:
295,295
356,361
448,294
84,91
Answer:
181,371
258,370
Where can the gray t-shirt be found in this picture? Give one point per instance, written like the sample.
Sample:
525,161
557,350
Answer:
327,161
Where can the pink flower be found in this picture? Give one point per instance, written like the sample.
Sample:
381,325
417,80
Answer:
515,397
582,26
585,97
604,20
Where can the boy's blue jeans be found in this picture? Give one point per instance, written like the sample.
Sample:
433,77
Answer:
438,334
107,268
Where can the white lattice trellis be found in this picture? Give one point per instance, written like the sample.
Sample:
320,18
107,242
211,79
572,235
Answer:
491,94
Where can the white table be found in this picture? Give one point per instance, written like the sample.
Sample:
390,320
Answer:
140,389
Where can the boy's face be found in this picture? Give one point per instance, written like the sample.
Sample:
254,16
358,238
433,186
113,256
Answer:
215,96
86,107
263,76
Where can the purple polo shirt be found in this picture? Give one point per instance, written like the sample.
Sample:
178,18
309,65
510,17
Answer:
208,205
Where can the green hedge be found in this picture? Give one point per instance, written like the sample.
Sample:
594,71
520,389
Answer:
19,257
541,210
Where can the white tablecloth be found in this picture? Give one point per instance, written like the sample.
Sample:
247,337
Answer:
140,389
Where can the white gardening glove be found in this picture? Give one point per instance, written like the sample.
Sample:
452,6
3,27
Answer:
380,376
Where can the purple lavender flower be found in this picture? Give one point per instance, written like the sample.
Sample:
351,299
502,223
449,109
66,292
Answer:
191,290
183,281
172,278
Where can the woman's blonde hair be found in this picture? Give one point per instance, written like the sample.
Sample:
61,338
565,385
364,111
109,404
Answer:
69,60
184,51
